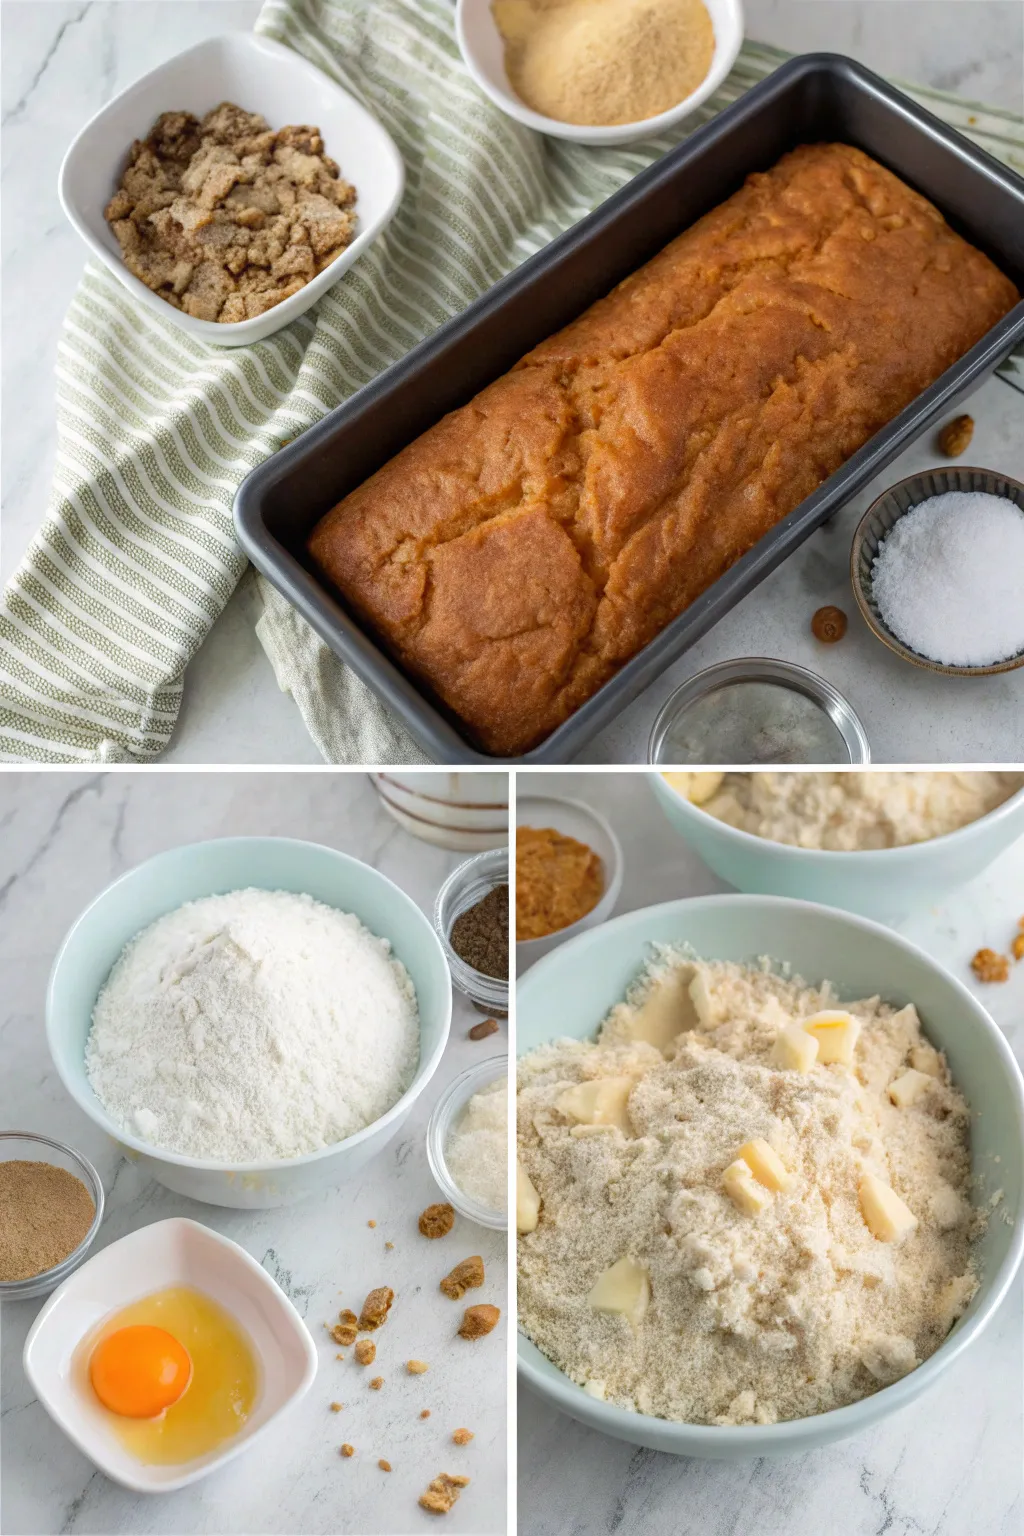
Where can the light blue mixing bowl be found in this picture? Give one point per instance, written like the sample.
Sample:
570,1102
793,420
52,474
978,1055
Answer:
884,883
145,893
567,994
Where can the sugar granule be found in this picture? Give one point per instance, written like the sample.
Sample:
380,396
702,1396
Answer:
947,579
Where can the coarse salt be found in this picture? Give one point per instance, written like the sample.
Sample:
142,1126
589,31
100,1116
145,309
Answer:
947,579
477,1148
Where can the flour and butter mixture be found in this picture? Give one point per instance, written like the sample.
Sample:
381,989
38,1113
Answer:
253,1026
848,812
742,1203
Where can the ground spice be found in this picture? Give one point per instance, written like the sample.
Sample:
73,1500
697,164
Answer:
480,934
558,881
599,62
45,1212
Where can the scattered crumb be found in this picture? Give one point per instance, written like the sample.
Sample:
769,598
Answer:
344,1330
416,1367
424,1413
464,1277
462,1436
376,1307
442,1493
389,1245
371,1223
481,1031
956,436
376,1383
989,966
479,1320
437,1220
1018,947
348,1450
337,1407
385,1466
366,1351
339,1357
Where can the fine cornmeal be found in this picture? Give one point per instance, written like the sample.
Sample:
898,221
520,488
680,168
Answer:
947,579
732,1315
253,1026
601,62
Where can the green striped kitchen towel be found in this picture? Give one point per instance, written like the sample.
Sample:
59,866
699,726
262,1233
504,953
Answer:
136,557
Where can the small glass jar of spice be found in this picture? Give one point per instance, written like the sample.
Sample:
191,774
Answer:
472,922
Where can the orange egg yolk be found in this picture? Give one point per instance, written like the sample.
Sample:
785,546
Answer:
139,1371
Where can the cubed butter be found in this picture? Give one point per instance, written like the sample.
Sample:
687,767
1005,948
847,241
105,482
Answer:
885,1213
795,1049
836,1033
602,1101
908,1087
527,1200
743,1189
925,1058
665,1012
765,1164
595,1389
697,787
625,1288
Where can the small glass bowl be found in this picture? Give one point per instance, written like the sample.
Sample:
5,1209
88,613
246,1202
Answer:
25,1146
465,886
446,1111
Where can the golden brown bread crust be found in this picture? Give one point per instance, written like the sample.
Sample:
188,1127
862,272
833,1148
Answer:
523,549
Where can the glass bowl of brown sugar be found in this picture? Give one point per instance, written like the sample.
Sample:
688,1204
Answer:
471,920
51,1207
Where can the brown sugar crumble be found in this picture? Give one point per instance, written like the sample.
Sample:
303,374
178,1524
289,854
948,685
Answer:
385,1466
348,1450
376,1307
389,1245
987,965
442,1493
437,1220
1018,947
462,1436
558,881
226,217
956,435
482,1030
371,1223
424,1413
337,1407
416,1367
376,1383
478,1321
344,1330
366,1351
464,1277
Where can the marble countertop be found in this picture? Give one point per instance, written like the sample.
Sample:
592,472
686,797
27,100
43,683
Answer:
947,1465
65,836
63,59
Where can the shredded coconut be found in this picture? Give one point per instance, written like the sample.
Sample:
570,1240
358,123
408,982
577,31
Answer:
947,579
847,812
477,1149
750,1318
253,1026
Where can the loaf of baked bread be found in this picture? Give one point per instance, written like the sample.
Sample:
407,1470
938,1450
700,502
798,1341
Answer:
515,555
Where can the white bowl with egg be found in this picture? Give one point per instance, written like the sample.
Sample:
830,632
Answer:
573,818
177,1252
444,1120
570,991
185,874
884,883
483,51
259,75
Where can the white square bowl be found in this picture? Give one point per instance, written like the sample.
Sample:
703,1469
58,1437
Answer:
259,75
174,1252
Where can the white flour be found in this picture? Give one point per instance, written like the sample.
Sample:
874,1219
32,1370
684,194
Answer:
253,1026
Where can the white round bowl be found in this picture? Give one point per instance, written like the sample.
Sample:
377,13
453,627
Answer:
570,991
167,881
573,819
467,812
443,1117
483,50
884,883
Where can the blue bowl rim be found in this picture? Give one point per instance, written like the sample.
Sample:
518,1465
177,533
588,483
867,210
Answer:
861,858
788,1434
94,1109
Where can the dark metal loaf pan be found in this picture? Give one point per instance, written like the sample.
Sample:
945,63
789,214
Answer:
813,98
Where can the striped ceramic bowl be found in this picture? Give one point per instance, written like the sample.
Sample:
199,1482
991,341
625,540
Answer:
467,812
879,520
